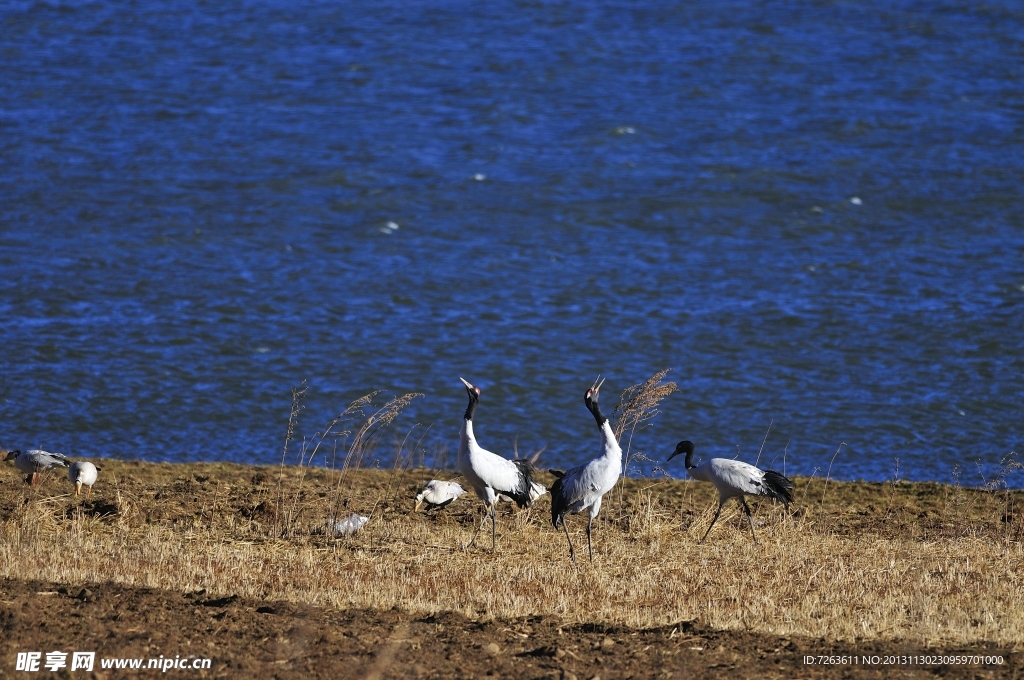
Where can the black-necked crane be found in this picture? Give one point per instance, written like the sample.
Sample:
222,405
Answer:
83,473
438,494
583,487
735,479
488,473
35,461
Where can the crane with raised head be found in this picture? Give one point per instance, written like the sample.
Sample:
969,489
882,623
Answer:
582,487
488,473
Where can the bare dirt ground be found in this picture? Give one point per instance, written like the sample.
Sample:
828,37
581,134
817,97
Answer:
248,638
140,608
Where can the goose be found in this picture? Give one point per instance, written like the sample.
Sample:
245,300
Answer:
83,473
582,487
35,461
735,479
488,473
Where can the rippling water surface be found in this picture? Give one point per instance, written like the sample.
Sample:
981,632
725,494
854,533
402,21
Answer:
811,210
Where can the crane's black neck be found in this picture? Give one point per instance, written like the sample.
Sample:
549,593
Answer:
474,399
594,409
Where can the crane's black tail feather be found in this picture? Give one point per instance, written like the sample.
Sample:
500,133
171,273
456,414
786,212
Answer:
559,507
521,494
778,487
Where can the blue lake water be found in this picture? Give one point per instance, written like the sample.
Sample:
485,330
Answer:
812,211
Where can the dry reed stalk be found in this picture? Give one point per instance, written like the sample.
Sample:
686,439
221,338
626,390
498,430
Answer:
638,405
298,392
371,425
374,424
763,441
828,475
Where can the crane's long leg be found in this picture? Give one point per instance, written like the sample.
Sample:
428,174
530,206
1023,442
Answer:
717,513
590,546
572,551
494,524
750,520
473,540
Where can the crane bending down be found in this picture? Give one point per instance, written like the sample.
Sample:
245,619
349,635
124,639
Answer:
584,486
488,473
735,478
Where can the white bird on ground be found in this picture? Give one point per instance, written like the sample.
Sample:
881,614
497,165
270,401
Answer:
585,485
734,479
438,494
488,473
83,473
35,461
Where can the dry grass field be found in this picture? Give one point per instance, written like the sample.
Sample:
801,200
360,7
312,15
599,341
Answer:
931,565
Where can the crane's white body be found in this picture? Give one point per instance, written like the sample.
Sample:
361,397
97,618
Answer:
488,473
83,473
732,478
584,486
438,493
34,461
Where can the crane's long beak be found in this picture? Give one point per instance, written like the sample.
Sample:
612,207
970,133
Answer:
419,502
78,488
466,383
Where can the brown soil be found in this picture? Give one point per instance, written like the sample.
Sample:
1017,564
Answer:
246,638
